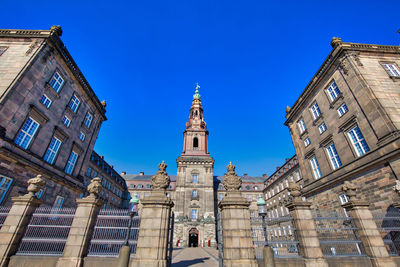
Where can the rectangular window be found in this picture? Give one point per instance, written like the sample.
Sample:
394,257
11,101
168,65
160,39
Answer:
56,82
82,136
194,178
315,111
74,103
88,120
358,141
69,168
5,184
392,69
342,110
66,121
45,100
193,214
333,156
302,125
333,91
58,202
52,151
39,194
322,128
307,142
26,133
343,199
315,168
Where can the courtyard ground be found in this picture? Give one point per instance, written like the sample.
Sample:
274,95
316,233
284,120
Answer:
198,257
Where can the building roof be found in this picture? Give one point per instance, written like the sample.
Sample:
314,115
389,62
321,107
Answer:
144,177
248,179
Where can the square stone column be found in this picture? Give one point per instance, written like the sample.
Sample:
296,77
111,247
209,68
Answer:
15,225
236,231
152,244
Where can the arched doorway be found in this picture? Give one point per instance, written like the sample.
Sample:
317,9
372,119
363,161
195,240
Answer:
193,237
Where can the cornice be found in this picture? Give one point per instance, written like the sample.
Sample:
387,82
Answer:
24,33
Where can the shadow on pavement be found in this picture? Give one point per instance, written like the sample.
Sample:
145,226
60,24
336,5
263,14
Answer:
185,263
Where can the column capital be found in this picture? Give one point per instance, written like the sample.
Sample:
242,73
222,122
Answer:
90,200
298,204
353,204
27,199
233,199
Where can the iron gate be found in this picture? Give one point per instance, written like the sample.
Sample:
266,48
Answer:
170,239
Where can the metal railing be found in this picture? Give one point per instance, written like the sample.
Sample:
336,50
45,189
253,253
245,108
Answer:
389,227
47,232
110,231
3,214
338,235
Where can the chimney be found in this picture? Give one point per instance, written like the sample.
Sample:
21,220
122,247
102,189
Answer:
112,166
102,157
123,173
264,175
245,175
141,173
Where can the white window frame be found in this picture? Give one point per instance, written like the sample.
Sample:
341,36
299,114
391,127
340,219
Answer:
343,198
307,142
88,119
27,132
358,141
46,101
315,111
342,109
66,120
391,69
322,128
333,156
70,166
52,150
58,202
82,136
57,81
333,91
302,125
5,184
74,103
315,167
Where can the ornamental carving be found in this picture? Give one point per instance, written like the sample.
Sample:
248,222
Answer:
35,184
349,189
161,180
396,187
95,187
295,191
231,181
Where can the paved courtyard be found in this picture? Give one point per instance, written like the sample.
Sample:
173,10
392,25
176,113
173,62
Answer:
199,257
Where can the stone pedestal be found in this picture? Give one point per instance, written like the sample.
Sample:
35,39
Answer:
152,243
14,226
306,232
368,233
236,231
81,231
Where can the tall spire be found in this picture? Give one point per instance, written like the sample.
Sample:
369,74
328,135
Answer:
196,96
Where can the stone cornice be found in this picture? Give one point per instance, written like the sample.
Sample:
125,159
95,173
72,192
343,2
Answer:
194,160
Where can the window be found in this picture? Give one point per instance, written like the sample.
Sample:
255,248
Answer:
358,141
66,121
392,69
194,193
58,202
26,133
148,186
315,111
52,150
333,156
74,103
56,82
140,186
194,178
193,214
88,120
89,172
333,91
82,136
5,184
220,196
307,142
343,199
69,168
256,188
45,100
39,194
249,198
301,125
315,168
195,143
342,110
322,128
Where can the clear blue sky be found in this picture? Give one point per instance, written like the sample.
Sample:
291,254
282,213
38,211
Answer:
251,59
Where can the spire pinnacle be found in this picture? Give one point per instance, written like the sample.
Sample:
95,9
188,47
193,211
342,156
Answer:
197,95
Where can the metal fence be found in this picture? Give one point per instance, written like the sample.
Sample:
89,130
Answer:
47,232
220,243
389,227
110,232
281,236
3,214
337,235
170,239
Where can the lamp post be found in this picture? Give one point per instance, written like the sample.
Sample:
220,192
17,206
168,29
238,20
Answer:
262,212
125,251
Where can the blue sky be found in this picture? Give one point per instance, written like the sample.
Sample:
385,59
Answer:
251,59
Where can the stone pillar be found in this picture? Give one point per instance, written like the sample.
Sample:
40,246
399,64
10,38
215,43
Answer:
306,232
82,227
17,220
235,219
367,230
152,244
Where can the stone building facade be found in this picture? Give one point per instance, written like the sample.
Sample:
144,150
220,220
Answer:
49,117
345,126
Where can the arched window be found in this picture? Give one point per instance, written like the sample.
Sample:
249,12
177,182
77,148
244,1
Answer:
196,113
195,142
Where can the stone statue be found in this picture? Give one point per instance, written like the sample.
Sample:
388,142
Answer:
231,181
396,187
161,180
349,189
295,191
94,188
56,29
104,104
35,184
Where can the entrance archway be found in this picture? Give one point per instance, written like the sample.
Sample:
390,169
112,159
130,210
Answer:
193,237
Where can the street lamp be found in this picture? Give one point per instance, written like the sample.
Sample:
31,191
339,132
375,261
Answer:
262,212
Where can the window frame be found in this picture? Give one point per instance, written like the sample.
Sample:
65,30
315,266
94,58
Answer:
195,180
301,125
82,136
50,151
324,128
390,71
333,92
71,162
47,100
74,103
26,133
56,81
4,189
335,161
315,111
342,109
90,121
307,142
66,119
315,167
364,150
